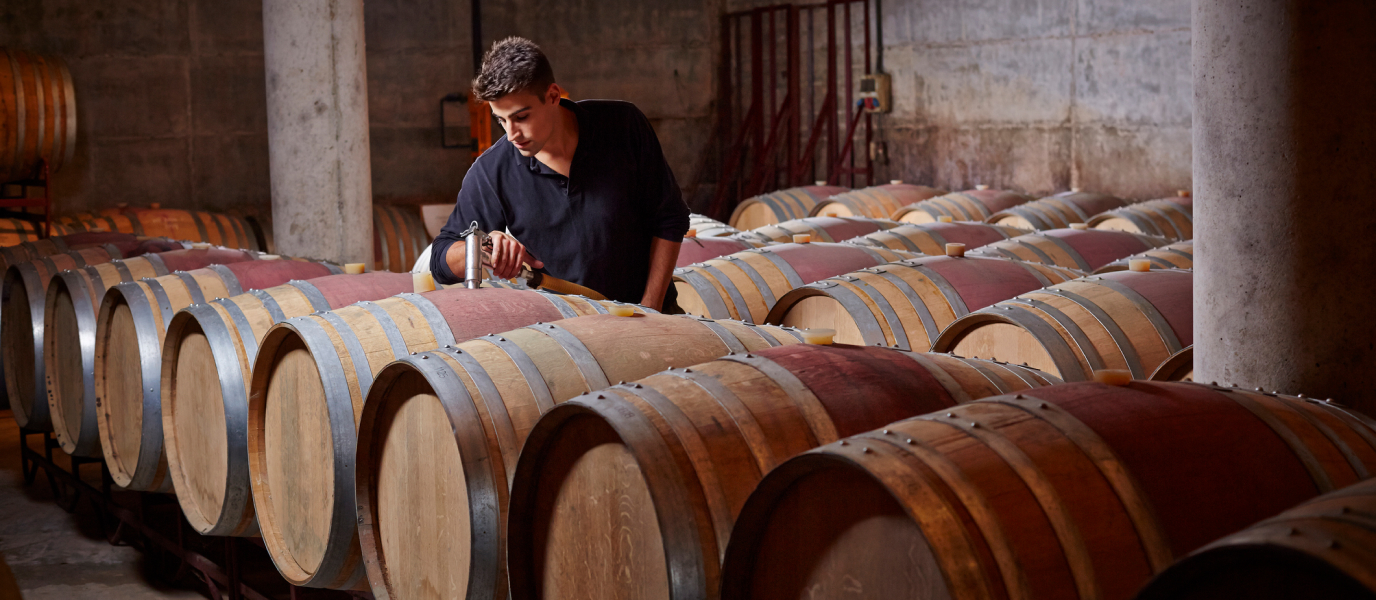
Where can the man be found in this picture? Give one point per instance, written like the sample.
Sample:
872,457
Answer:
582,188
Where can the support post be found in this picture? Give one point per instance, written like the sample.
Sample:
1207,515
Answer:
317,97
1284,143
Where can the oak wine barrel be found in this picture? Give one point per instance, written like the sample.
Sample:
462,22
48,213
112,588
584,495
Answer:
1058,211
1179,255
200,226
399,237
783,205
127,244
709,227
822,229
745,285
301,396
1179,367
204,417
465,412
931,238
17,231
1070,491
1324,548
681,451
1080,249
21,329
970,205
906,304
38,114
76,350
1126,320
1167,218
699,249
877,202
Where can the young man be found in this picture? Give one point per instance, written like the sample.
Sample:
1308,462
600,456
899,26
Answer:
582,187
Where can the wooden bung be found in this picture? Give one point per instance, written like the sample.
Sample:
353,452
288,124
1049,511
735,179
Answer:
1081,249
1166,218
745,285
783,205
1057,212
970,205
21,329
681,452
353,268
878,202
124,386
399,237
822,229
1124,320
906,304
955,250
1070,491
691,233
1179,255
820,337
1323,548
1139,264
198,435
931,238
70,313
465,412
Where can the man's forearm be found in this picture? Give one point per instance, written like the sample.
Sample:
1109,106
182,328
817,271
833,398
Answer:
663,256
456,258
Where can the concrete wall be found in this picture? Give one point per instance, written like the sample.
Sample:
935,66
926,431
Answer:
172,102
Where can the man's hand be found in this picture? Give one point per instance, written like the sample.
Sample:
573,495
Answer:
663,255
508,255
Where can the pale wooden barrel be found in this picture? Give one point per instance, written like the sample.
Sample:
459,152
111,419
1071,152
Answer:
931,238
877,202
1058,211
970,205
709,227
197,434
1324,548
906,304
1126,320
305,391
493,390
822,229
89,223
194,225
38,113
1179,255
1169,218
1179,367
745,285
698,249
17,231
1080,249
1070,491
783,205
69,339
399,237
21,329
692,446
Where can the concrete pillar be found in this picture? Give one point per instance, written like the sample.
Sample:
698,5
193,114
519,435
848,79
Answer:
1284,175
317,86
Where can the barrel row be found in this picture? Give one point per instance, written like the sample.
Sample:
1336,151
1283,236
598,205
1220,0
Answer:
1058,211
877,202
704,226
1072,491
1073,248
931,238
199,226
907,304
692,444
700,249
820,229
745,285
39,105
1127,320
1170,218
1179,255
970,205
783,205
305,385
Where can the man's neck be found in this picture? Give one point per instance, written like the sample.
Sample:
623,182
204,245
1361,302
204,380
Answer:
557,154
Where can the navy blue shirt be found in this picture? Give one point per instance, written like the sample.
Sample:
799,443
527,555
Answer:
595,226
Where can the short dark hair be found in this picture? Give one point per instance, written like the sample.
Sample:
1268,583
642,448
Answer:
513,65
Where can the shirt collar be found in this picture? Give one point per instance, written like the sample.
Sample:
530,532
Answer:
534,164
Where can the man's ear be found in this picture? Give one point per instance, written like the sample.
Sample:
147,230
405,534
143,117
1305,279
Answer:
553,93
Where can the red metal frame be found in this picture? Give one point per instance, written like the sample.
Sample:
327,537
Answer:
768,147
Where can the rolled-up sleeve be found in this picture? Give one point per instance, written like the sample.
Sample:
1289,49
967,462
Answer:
478,202
668,214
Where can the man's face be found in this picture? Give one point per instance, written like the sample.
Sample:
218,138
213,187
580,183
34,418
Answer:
529,121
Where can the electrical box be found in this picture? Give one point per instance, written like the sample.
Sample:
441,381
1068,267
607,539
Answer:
875,92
